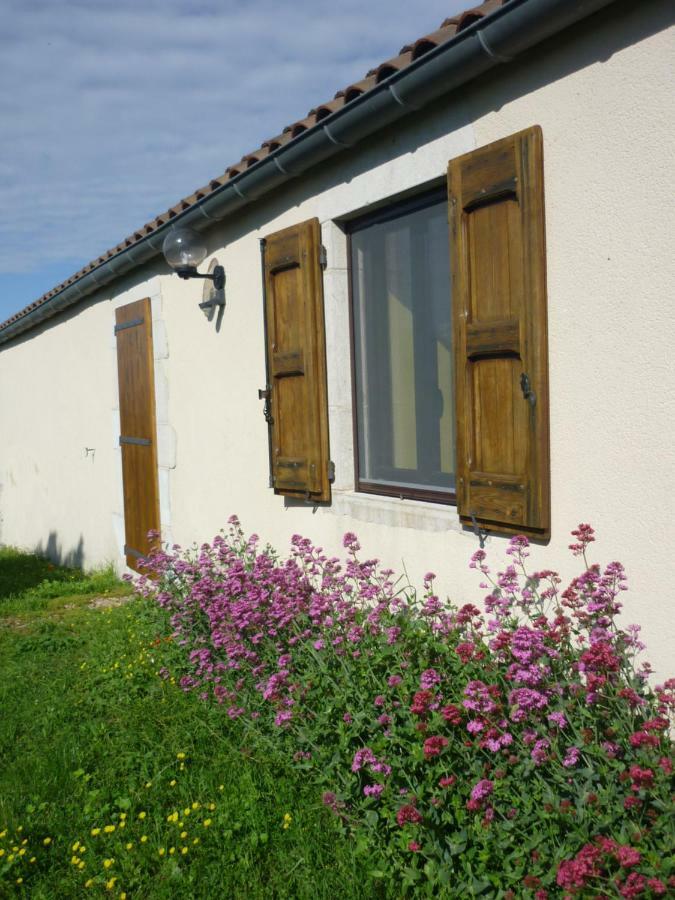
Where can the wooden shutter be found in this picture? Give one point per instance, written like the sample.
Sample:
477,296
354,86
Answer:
296,362
497,238
138,437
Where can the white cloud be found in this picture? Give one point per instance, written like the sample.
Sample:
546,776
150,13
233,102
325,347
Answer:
112,112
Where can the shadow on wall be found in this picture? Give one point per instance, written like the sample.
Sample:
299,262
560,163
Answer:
53,551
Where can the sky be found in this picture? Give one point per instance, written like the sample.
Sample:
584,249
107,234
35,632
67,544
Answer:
110,112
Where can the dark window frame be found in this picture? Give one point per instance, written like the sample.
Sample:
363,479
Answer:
386,213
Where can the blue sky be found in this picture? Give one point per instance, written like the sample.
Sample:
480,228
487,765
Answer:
113,111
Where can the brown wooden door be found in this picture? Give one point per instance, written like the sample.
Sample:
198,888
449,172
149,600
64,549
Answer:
138,431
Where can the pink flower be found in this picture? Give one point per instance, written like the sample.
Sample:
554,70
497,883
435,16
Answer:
571,757
414,847
446,781
429,679
363,757
452,714
479,794
557,718
421,702
373,790
434,745
394,680
406,814
627,856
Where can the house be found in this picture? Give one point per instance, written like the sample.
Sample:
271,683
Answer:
451,285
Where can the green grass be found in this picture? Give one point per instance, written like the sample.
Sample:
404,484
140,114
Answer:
90,737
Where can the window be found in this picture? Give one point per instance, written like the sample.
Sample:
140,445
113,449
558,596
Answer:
402,350
451,387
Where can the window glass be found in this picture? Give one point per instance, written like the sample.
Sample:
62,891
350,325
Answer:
402,349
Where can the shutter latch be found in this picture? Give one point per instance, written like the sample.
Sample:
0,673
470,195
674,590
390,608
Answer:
266,395
331,471
526,388
323,256
480,533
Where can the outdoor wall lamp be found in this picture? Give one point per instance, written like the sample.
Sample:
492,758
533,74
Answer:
184,250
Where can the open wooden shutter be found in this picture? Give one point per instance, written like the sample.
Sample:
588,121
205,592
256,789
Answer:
296,362
138,438
497,237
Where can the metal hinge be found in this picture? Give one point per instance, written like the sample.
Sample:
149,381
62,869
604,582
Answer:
323,256
331,471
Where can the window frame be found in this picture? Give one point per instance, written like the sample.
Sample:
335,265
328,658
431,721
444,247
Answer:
386,212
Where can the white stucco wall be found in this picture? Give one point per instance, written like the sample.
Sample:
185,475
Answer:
56,449
602,94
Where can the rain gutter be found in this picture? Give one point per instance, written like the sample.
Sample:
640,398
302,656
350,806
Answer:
489,42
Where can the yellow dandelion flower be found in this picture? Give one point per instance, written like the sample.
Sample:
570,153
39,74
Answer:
221,787
142,815
47,841
22,851
183,850
19,880
180,824
172,850
180,756
212,806
129,845
10,857
15,848
123,823
183,834
172,783
148,784
109,885
2,852
161,851
24,842
186,811
196,805
3,834
107,863
95,831
206,823
81,865
123,895
32,859
109,829
123,816
89,882
182,767
74,860
144,839
196,841
75,846
19,829
83,849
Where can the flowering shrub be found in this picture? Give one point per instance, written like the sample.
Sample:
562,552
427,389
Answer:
515,752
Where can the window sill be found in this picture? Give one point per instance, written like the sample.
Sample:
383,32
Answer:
380,510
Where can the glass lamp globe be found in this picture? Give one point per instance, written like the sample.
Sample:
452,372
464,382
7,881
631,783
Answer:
184,249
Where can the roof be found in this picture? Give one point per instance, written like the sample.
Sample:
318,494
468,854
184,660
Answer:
448,29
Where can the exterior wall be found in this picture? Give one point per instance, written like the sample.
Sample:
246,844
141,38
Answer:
56,449
599,94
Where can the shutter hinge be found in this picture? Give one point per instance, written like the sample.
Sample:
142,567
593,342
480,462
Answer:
271,481
331,471
323,256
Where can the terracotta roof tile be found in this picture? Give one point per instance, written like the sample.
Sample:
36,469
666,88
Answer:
408,54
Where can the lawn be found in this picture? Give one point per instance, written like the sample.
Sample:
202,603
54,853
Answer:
114,783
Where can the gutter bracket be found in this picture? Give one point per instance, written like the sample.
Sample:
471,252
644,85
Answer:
482,40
